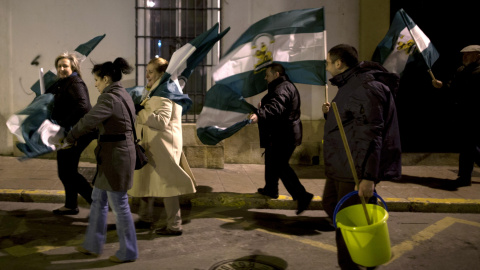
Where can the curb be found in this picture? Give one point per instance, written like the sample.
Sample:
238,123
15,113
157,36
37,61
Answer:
255,201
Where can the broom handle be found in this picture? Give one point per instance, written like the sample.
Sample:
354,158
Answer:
349,156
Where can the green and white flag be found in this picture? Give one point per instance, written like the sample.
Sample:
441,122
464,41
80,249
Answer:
295,39
400,43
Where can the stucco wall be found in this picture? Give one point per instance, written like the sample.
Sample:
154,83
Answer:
49,27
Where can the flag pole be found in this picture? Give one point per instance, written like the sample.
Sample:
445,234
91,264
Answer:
431,74
42,82
349,156
325,51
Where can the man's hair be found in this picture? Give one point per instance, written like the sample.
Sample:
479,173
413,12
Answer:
276,67
345,53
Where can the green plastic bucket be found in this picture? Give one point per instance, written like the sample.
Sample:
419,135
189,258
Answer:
368,245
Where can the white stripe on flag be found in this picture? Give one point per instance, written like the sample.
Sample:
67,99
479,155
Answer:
421,39
286,48
213,117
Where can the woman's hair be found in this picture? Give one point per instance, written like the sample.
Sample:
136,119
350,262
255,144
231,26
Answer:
113,70
345,53
159,64
74,63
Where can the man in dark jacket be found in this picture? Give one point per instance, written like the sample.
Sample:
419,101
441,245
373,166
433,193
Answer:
365,101
280,130
466,85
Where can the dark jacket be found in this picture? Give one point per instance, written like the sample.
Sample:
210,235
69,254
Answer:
279,115
367,109
115,155
71,100
466,86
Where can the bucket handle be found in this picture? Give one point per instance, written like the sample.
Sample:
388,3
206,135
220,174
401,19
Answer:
346,197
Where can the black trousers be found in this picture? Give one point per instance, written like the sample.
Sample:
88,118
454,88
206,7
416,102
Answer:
277,167
333,192
73,182
469,155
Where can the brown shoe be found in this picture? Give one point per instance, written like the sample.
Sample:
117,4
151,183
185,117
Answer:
115,259
84,251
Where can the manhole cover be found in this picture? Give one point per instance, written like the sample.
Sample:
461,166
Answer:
243,264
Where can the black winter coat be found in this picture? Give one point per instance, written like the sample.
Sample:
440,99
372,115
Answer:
71,101
365,101
279,115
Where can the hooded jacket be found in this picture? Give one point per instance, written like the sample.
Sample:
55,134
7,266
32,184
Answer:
279,114
366,105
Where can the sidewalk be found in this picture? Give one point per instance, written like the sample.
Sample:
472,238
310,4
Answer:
420,190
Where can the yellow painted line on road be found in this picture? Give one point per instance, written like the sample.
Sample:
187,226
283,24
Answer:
444,201
426,234
31,191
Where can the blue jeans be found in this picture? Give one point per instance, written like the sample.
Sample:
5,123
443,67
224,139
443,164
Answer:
97,226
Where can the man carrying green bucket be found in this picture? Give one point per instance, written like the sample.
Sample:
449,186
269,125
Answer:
366,109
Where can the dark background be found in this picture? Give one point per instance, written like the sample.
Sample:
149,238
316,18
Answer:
428,116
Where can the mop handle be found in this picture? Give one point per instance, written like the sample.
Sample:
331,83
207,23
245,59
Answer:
349,156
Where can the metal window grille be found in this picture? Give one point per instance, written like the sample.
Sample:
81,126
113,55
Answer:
162,27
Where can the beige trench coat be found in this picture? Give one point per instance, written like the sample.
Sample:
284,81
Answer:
167,174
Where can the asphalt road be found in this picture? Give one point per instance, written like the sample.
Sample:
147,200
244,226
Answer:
226,238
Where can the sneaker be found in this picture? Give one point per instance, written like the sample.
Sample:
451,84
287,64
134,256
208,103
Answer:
264,192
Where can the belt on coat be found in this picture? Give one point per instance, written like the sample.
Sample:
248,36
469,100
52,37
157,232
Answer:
112,137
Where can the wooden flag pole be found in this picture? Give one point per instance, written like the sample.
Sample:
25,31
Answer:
349,156
431,74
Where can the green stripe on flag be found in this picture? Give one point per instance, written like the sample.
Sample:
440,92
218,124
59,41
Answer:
290,22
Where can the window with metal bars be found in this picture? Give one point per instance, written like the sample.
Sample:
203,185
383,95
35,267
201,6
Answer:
162,27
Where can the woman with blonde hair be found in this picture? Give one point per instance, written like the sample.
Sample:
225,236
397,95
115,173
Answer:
71,102
167,174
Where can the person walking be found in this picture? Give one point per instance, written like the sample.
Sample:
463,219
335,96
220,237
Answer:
280,130
115,154
71,102
167,174
366,105
466,84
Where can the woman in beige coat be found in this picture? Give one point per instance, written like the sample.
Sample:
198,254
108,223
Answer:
167,174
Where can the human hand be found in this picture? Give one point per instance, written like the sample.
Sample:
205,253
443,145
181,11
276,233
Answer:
326,107
253,118
366,188
437,83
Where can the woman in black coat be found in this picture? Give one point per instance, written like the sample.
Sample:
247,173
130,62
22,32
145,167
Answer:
71,102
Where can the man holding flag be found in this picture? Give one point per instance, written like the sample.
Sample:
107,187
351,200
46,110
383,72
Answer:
296,39
280,129
466,84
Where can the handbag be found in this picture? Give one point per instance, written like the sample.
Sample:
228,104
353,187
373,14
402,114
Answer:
141,158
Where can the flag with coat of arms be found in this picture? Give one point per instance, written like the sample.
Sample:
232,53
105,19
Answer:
400,43
295,39
180,67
